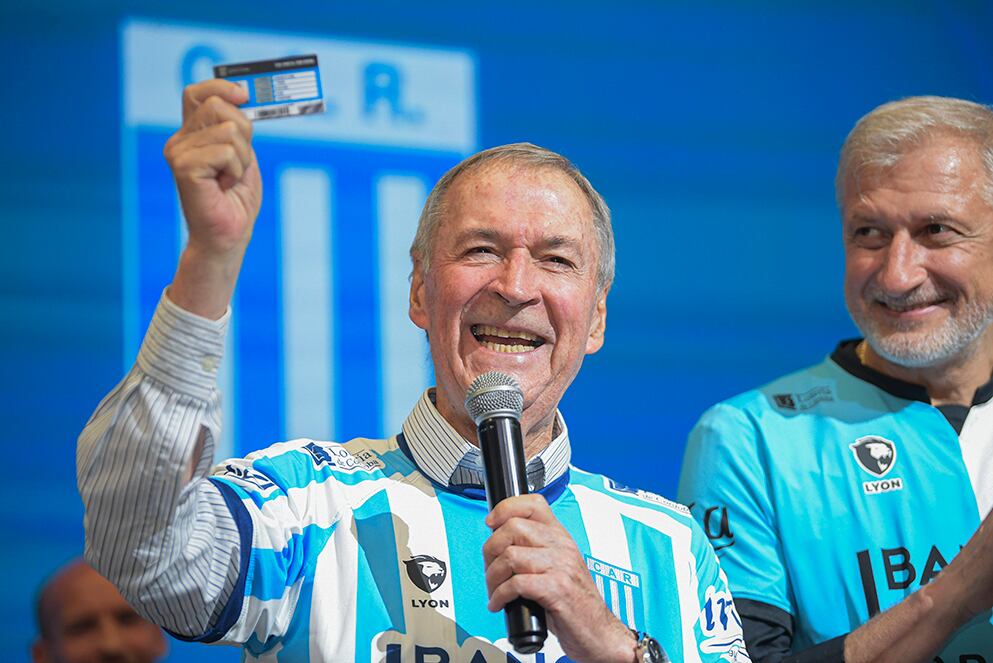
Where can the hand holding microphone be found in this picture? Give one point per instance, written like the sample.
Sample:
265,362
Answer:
532,562
495,402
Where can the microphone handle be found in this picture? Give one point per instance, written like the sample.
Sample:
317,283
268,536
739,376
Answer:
502,447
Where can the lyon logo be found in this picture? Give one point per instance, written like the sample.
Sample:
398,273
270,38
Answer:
875,454
426,572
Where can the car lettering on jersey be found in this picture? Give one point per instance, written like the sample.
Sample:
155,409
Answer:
620,589
877,456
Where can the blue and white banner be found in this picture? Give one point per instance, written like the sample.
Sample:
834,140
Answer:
320,344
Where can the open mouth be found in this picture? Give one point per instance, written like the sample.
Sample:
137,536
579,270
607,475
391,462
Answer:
505,340
909,307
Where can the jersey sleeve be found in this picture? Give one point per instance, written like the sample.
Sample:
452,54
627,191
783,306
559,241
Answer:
718,630
285,529
725,481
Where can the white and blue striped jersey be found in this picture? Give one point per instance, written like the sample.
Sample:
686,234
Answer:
369,550
357,555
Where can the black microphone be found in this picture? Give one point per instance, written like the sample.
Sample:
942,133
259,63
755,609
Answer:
495,402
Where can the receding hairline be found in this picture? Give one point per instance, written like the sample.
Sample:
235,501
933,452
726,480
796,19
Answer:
43,601
508,164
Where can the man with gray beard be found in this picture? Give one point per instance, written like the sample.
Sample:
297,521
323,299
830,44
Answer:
837,494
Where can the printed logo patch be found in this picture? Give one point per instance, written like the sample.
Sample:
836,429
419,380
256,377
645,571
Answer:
804,401
647,496
877,456
721,626
427,572
319,454
336,456
717,526
874,454
247,475
620,589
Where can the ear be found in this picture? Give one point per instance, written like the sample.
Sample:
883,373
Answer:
418,312
598,326
39,652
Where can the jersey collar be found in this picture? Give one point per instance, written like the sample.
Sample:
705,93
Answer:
450,460
844,355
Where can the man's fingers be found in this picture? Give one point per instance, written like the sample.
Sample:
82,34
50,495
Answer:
225,133
215,110
532,507
523,532
196,94
208,162
518,560
545,589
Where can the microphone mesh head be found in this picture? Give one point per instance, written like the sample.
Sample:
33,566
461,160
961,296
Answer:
492,393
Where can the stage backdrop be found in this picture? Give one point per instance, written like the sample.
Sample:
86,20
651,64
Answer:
711,128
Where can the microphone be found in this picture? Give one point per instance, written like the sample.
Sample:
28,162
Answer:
495,402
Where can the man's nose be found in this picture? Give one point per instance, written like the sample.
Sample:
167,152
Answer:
903,265
517,284
112,639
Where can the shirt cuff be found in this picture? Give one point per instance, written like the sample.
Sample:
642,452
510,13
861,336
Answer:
183,350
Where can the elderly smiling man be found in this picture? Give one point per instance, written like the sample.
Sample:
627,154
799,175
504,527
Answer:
844,492
382,549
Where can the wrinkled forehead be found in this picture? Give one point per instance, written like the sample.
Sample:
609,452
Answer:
939,162
513,190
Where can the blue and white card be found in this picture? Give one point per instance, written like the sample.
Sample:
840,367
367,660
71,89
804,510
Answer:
277,88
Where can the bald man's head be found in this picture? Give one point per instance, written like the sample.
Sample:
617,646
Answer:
82,618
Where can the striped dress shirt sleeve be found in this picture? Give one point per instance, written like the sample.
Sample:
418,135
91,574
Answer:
155,525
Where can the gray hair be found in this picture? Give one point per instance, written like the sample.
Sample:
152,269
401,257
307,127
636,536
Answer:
888,132
528,156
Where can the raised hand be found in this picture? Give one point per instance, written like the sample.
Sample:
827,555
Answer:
217,176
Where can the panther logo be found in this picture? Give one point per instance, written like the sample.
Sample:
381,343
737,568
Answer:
426,572
876,455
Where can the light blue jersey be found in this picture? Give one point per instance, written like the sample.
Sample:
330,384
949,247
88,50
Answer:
835,492
355,555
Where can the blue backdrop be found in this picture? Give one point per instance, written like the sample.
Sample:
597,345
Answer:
711,128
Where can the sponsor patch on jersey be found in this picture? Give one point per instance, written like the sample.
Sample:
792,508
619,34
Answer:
877,456
319,454
805,400
716,525
336,456
647,496
246,475
721,627
426,572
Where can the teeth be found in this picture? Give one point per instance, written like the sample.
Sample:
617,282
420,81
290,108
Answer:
489,330
499,347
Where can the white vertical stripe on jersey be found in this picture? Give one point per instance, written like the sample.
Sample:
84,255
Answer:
418,524
629,603
608,542
308,316
615,598
335,596
405,364
977,452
